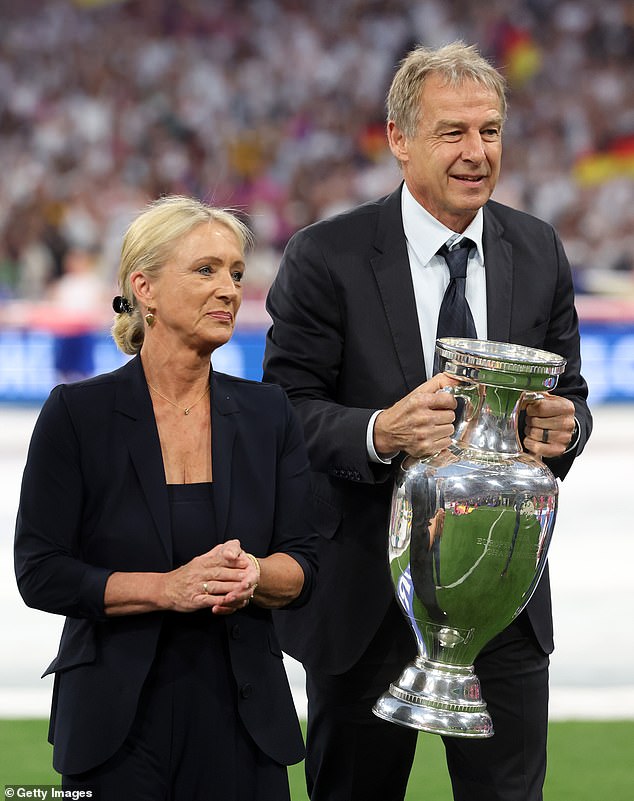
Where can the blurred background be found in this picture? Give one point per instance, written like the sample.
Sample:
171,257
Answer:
276,109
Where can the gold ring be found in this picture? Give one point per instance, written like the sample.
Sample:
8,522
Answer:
545,433
205,590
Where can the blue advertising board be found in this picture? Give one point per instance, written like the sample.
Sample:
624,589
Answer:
32,362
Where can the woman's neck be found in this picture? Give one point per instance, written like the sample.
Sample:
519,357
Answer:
175,375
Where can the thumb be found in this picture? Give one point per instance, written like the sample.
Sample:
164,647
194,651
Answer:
439,381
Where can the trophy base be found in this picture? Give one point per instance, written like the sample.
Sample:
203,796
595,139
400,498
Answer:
436,698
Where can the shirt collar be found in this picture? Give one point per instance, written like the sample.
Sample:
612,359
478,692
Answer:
426,235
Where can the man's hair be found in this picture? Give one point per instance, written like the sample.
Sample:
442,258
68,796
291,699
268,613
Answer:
454,63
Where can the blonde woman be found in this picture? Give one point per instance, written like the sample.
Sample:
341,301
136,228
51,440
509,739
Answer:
164,511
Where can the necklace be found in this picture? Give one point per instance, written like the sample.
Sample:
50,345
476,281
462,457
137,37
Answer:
185,410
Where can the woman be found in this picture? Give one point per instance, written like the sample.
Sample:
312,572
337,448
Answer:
164,510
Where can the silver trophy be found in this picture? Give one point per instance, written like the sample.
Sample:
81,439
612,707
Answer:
468,536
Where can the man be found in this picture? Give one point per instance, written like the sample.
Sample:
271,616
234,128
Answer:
355,310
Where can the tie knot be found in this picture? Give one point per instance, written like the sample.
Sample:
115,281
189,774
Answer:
457,257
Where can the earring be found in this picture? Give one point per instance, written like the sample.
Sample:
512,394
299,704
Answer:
150,319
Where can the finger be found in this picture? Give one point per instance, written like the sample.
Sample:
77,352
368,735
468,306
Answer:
554,446
222,610
232,549
439,401
428,446
544,421
439,381
224,591
558,430
232,604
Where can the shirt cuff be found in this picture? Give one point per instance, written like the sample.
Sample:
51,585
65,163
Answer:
373,456
576,436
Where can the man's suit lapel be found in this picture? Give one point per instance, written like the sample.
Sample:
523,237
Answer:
141,435
394,279
224,410
498,259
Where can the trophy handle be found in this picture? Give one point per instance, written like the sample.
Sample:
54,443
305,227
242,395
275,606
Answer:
466,391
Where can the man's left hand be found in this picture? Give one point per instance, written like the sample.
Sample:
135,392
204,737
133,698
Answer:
550,426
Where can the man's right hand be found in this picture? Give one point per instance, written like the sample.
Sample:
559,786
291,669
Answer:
421,423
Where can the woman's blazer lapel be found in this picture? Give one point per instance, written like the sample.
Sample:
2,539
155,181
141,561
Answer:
224,421
138,428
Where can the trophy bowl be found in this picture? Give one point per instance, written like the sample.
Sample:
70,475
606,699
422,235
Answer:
468,535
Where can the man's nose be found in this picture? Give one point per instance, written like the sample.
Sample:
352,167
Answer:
473,147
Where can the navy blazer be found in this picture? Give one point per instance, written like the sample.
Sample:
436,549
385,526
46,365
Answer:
94,500
345,342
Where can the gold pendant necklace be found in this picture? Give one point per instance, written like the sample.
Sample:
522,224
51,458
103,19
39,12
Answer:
185,410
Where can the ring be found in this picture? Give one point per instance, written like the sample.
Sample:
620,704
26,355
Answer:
205,590
545,433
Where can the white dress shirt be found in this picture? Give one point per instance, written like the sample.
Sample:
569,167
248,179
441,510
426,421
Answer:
425,235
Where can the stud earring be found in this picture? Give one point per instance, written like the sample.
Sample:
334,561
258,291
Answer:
150,319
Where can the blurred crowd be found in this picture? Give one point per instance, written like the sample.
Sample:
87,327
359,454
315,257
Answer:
276,108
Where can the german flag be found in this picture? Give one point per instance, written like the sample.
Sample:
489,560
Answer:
519,55
614,160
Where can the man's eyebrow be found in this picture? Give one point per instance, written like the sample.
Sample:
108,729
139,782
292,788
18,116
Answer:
449,123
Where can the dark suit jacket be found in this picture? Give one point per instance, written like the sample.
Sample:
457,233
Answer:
345,342
94,500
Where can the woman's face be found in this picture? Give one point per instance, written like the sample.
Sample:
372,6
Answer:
199,289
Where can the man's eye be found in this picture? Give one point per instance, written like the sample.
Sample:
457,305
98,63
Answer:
205,270
237,276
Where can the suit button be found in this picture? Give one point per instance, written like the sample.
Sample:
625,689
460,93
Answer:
235,632
246,691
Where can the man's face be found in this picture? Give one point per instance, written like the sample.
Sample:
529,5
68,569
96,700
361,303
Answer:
452,164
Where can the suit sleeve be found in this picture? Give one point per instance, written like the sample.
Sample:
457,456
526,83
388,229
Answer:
294,532
50,573
563,338
305,353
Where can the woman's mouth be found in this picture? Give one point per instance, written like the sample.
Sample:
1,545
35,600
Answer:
222,316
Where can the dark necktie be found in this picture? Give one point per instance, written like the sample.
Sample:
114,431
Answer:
455,319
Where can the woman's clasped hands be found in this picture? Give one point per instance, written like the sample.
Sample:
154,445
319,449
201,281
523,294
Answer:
223,579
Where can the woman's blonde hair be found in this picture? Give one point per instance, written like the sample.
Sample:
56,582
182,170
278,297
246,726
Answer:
147,245
454,63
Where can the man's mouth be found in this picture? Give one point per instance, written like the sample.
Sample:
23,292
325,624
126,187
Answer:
473,179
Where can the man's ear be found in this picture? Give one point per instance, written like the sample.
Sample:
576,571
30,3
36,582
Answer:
397,141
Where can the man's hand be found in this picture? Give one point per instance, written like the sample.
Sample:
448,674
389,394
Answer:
421,423
550,426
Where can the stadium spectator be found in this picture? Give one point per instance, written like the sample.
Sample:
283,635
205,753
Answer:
104,105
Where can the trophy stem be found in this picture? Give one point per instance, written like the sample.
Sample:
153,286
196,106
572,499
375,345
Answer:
437,698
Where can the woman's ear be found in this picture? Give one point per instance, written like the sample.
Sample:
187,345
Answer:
141,287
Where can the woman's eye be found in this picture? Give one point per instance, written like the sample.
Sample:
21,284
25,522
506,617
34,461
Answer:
205,270
237,276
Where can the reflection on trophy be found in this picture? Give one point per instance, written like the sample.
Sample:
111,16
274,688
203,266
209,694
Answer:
468,536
